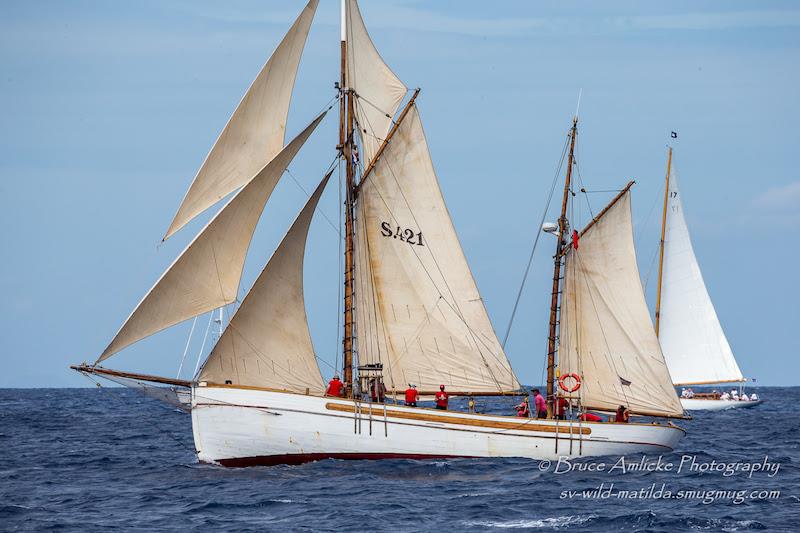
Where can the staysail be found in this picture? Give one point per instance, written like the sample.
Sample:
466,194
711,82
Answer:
418,310
207,274
378,90
691,336
267,342
254,133
606,335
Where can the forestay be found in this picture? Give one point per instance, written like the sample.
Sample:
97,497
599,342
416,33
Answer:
207,274
606,335
267,342
691,336
378,90
418,310
254,133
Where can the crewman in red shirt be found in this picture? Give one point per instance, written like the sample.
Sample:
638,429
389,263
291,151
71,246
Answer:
590,417
562,405
412,395
334,387
623,415
441,398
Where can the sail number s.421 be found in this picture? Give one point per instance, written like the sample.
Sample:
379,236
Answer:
404,234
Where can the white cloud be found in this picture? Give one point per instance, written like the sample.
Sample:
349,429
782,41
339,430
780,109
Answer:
783,198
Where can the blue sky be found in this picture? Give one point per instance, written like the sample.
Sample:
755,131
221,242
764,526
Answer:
108,108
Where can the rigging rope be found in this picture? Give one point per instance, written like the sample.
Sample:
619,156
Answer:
535,242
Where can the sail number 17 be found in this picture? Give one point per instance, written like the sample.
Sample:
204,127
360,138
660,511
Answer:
404,234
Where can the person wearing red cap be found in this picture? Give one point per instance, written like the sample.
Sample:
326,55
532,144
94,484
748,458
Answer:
441,398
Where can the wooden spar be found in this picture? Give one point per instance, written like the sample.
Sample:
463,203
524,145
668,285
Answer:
613,201
386,141
711,382
554,313
461,393
346,147
87,369
636,413
661,245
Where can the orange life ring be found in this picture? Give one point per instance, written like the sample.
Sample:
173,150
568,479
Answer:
572,375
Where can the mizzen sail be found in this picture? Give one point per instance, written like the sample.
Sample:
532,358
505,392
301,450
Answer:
378,90
254,133
207,274
606,335
418,310
267,342
691,336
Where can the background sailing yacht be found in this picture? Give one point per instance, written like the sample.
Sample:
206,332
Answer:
691,336
412,311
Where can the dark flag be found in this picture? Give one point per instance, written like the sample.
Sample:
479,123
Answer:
674,135
624,381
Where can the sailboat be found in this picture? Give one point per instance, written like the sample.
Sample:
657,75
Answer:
692,340
412,310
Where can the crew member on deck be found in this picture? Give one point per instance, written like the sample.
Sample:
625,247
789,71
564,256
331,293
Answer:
623,415
335,387
441,398
523,409
539,404
590,417
562,406
412,395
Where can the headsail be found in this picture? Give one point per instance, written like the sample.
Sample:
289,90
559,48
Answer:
378,90
606,334
254,133
207,274
418,310
267,342
691,336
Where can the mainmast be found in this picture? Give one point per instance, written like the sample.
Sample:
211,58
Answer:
661,245
557,259
346,149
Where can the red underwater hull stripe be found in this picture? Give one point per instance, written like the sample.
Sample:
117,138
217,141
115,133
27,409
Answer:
300,458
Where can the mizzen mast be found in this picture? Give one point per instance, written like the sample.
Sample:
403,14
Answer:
346,150
661,244
557,260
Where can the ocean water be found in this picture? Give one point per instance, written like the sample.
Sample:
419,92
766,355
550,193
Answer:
96,459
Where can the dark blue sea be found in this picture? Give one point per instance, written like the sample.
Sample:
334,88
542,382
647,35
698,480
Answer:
97,459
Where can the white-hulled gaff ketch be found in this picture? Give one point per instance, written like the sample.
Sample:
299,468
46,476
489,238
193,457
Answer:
691,336
412,311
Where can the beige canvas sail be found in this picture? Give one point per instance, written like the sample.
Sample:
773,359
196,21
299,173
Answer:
254,133
418,310
606,334
378,90
207,274
267,342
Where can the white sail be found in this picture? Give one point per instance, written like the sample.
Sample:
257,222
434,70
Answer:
255,132
267,342
418,310
691,336
606,335
378,90
207,274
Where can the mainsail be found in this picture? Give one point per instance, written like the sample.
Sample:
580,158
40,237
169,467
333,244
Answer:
254,133
267,342
378,90
691,336
417,307
606,335
207,274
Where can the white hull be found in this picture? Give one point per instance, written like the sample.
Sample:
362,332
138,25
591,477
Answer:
702,404
243,427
